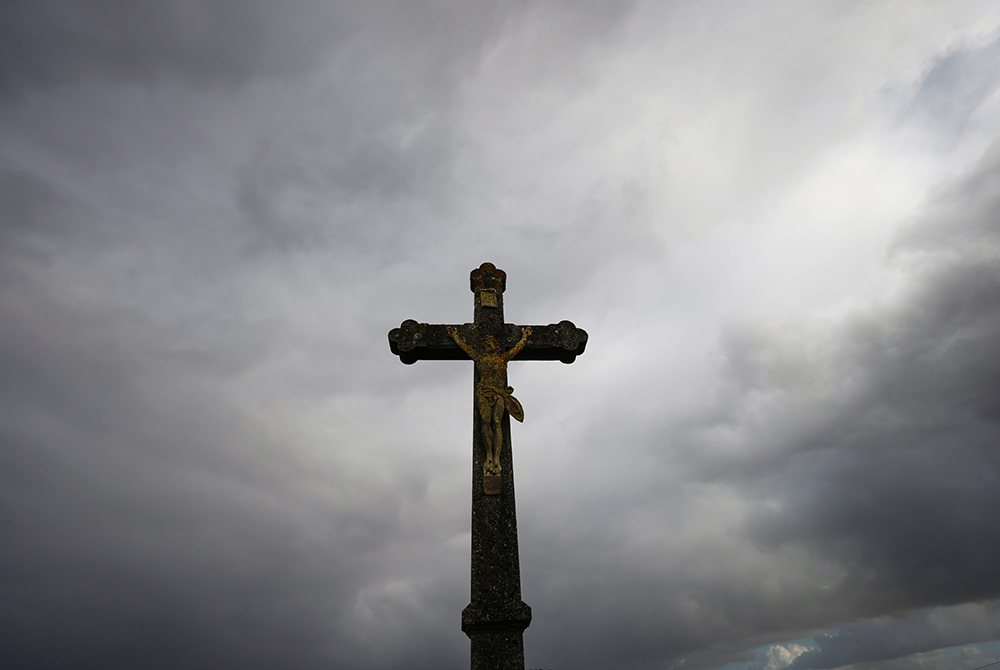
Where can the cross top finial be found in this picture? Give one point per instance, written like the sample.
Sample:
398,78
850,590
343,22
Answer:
487,276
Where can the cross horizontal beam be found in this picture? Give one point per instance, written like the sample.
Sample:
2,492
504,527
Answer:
414,341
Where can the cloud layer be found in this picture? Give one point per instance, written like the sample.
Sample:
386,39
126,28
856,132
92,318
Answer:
777,222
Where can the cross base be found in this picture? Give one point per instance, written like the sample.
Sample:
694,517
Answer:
497,636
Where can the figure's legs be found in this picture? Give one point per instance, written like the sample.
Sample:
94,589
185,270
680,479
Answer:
486,415
498,410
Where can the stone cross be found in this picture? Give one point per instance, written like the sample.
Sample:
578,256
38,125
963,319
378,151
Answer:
496,618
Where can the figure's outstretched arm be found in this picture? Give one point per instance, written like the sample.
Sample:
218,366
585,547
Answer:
516,349
469,351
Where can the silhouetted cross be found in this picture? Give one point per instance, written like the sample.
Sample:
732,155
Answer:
496,617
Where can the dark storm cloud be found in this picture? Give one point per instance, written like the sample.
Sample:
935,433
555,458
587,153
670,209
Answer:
896,637
227,42
97,485
900,485
209,458
51,42
857,461
150,516
385,132
28,203
32,211
149,523
291,194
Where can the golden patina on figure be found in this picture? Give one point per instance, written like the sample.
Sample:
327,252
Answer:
493,395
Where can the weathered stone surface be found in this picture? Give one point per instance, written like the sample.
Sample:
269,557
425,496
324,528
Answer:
496,617
414,341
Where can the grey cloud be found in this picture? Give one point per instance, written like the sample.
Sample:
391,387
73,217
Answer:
865,448
29,203
33,211
958,222
208,456
229,42
52,42
150,523
899,482
297,193
896,637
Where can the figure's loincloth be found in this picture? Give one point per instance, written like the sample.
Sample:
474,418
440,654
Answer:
487,397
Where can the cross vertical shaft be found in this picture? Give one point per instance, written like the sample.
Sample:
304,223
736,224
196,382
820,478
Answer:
496,617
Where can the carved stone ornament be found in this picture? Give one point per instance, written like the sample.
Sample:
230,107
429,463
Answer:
488,276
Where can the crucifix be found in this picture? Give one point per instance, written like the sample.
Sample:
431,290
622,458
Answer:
496,618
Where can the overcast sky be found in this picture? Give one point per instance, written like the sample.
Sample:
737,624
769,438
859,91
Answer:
778,221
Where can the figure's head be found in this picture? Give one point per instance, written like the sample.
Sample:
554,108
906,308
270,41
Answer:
490,344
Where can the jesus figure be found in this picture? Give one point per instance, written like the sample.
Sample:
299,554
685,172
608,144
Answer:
493,396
